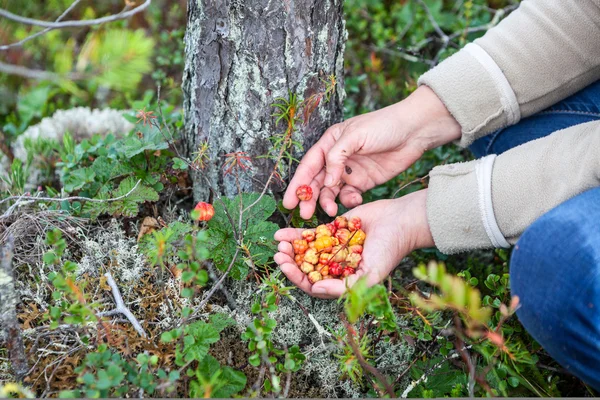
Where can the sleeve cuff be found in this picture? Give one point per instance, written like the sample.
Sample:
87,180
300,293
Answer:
475,91
459,207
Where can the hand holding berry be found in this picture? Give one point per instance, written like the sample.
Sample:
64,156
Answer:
367,150
388,241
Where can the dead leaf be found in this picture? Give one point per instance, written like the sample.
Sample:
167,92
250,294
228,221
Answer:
149,225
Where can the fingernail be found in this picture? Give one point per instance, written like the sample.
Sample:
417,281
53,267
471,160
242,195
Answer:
328,180
319,290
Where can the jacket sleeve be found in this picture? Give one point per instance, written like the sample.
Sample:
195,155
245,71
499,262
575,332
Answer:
540,54
489,202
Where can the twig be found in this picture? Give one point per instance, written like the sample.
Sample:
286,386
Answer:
219,282
408,184
436,26
38,74
363,363
42,32
8,312
74,24
121,307
73,198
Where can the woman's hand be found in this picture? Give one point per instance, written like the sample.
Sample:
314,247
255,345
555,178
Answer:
394,228
370,149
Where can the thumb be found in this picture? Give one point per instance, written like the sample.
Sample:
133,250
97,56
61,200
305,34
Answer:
335,160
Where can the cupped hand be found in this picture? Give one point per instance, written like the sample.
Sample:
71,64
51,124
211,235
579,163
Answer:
368,150
393,229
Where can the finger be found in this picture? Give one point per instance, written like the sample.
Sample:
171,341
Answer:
335,159
299,279
307,208
350,196
283,258
288,234
286,247
327,200
311,164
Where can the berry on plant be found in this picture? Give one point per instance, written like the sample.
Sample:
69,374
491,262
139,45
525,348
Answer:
203,211
304,193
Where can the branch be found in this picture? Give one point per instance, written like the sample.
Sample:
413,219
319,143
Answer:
8,312
74,24
36,73
363,363
121,307
219,282
73,198
42,32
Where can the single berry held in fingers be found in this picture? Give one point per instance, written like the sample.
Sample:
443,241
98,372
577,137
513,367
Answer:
304,193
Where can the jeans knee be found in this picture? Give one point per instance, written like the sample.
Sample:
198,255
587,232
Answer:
555,271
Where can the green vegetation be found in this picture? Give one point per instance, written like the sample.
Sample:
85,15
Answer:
216,317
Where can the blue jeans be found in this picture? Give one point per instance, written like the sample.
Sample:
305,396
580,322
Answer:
555,265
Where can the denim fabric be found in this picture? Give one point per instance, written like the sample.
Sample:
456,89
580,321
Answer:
581,107
555,265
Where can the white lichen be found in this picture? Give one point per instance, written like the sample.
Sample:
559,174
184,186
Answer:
81,122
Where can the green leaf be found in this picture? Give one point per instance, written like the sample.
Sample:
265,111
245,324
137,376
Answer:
258,232
199,337
221,321
227,383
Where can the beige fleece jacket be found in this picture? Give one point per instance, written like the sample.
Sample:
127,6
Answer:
543,52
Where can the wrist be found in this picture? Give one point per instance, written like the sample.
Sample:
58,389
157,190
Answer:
432,124
420,232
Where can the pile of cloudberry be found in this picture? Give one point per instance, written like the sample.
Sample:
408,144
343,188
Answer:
331,251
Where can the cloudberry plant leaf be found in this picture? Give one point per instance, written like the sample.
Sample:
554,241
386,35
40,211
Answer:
257,232
216,381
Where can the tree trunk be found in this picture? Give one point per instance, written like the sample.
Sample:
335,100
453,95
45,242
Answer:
242,55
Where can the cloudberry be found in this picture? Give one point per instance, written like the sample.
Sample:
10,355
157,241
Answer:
322,230
304,193
324,258
308,235
341,222
347,271
358,238
356,248
324,243
354,224
311,256
335,269
307,267
353,260
299,258
343,235
314,276
332,228
300,246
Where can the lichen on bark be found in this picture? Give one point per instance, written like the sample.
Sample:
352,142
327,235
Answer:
240,57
